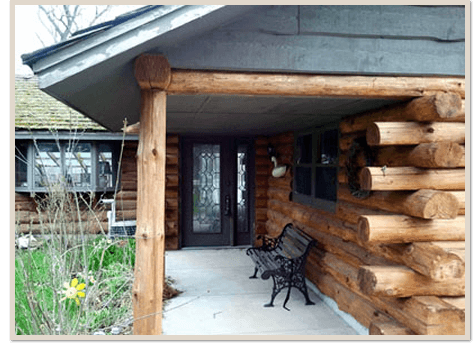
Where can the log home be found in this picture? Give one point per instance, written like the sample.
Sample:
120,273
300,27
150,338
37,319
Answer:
363,105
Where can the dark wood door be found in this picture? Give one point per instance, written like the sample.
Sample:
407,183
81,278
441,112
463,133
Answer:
216,192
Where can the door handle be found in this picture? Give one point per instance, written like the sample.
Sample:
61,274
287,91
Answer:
227,206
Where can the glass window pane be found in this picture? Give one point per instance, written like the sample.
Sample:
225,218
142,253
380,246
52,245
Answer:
206,189
304,149
78,161
242,189
303,180
47,170
21,160
329,147
325,183
105,173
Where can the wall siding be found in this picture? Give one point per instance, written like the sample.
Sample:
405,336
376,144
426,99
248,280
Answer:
335,264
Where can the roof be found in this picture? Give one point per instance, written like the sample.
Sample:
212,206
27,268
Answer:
35,110
80,35
94,72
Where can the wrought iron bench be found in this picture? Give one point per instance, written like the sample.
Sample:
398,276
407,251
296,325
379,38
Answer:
283,258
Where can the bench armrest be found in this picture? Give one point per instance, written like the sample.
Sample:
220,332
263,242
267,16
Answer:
268,243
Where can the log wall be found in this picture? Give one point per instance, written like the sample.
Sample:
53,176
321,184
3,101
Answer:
394,259
127,197
94,219
39,214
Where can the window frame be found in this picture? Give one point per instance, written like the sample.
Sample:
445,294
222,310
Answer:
63,146
312,200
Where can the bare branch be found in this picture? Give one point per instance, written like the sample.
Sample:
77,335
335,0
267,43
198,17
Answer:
62,20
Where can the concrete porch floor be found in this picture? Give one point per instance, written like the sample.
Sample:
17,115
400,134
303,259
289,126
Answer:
218,298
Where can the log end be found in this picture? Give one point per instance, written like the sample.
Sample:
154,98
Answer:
448,105
373,135
133,129
365,179
440,205
366,281
441,154
153,72
454,269
363,229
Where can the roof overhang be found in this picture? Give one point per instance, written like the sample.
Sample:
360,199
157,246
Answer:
95,73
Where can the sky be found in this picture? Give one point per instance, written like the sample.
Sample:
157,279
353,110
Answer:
28,28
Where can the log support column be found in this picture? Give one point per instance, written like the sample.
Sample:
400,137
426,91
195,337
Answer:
153,75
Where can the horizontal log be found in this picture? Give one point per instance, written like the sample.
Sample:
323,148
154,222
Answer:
424,203
414,133
389,328
275,84
401,281
404,229
347,140
408,178
428,155
46,217
460,195
318,220
126,195
283,138
436,260
437,155
363,310
394,307
457,302
441,106
434,310
280,194
91,227
281,183
261,214
351,213
172,243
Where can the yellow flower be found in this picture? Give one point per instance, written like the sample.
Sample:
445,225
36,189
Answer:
73,291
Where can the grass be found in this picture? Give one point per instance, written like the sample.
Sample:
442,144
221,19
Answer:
69,249
106,269
65,251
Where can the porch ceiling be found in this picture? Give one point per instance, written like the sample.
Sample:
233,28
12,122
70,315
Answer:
258,115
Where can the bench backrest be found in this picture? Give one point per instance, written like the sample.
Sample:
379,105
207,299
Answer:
293,242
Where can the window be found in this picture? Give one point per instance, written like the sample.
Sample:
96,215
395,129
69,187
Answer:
80,166
316,167
21,164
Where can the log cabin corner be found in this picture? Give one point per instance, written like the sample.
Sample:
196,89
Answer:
364,106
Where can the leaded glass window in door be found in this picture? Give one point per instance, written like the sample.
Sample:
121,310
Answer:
242,189
206,189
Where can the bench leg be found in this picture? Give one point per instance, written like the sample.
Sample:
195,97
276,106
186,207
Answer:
255,274
287,297
275,291
302,286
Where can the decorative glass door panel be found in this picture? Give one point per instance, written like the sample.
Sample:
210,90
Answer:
206,189
215,192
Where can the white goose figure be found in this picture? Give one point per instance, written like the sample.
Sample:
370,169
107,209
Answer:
279,170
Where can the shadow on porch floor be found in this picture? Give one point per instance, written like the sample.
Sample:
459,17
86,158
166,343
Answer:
218,298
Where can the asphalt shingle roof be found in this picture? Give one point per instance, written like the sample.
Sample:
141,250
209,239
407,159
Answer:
36,110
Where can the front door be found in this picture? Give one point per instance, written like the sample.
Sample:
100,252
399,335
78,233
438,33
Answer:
216,192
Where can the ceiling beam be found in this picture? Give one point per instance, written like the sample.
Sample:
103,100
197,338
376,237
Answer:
201,82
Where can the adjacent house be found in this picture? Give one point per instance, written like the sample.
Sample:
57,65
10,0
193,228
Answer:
363,105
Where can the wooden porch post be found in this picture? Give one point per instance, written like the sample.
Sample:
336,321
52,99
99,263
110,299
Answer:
153,75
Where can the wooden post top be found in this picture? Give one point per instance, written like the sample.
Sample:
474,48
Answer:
153,72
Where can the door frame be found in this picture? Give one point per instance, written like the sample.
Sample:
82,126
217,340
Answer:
235,141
